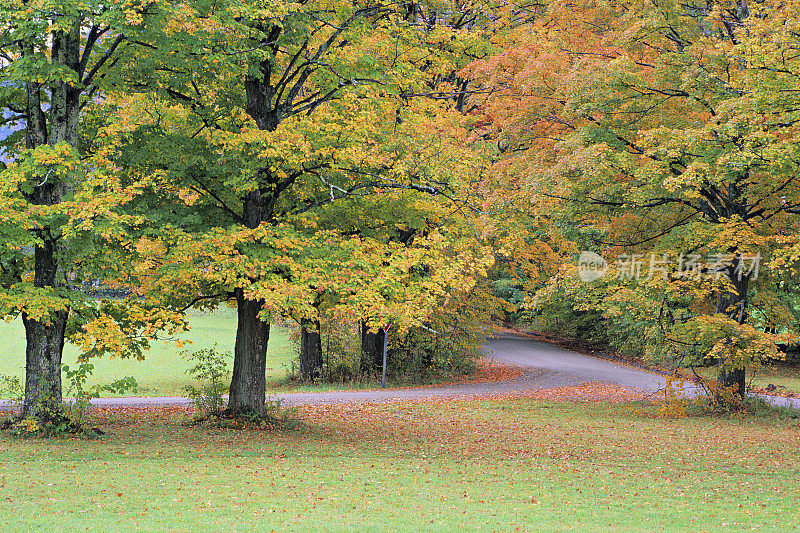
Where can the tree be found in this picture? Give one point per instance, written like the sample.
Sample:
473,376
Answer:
667,128
310,349
256,121
58,200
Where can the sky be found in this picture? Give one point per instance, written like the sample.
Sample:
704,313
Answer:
5,131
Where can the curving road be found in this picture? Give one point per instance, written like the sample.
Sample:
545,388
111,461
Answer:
546,366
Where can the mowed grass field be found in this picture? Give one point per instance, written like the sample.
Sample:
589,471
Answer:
455,465
786,378
163,372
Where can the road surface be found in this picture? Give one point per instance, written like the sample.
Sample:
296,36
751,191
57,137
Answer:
545,366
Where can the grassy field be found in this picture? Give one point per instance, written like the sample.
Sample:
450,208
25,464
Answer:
163,372
785,378
502,464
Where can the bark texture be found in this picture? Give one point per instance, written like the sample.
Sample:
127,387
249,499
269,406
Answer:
45,337
248,383
734,304
371,350
310,350
44,346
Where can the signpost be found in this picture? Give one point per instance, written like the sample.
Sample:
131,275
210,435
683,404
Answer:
385,348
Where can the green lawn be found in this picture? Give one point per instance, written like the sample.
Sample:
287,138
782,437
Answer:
163,372
494,465
785,378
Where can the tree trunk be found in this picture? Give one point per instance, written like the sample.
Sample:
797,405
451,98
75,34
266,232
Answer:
45,344
734,304
734,378
310,350
45,338
371,350
248,383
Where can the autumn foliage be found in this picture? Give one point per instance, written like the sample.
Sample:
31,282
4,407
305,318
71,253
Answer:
654,134
431,165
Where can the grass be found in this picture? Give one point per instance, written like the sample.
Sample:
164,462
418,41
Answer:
786,378
502,464
163,372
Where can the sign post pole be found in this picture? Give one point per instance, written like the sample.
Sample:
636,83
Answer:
385,349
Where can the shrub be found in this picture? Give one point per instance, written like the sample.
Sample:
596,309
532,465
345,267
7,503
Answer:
11,389
211,371
76,379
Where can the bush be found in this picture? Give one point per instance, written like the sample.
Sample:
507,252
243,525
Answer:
212,374
51,423
567,307
341,351
11,388
716,399
424,353
762,410
279,416
76,387
211,371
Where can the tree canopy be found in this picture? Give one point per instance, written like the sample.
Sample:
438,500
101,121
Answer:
392,163
665,134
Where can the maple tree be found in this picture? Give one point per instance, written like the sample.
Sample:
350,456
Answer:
665,128
60,196
268,128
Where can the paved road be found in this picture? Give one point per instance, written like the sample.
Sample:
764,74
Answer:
545,365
